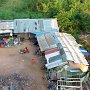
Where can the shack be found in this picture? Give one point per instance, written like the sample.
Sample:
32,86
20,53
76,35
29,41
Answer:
23,27
76,69
6,27
6,32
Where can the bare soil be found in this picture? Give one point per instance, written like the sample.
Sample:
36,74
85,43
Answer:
19,69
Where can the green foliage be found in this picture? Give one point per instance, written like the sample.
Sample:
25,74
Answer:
5,14
73,15
63,20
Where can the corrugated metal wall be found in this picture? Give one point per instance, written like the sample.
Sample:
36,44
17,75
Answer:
41,25
20,26
50,25
35,25
6,25
32,25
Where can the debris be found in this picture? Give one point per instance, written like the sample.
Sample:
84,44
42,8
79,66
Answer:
15,82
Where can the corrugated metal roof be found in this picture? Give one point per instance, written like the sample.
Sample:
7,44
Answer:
71,48
46,42
6,25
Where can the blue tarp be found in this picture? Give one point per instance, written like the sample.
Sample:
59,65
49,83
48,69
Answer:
84,51
39,33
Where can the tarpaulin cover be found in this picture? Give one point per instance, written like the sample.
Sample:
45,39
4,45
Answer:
39,33
10,39
84,51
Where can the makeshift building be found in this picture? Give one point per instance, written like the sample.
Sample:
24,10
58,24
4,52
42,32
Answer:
74,56
64,61
23,27
6,31
76,70
6,27
53,58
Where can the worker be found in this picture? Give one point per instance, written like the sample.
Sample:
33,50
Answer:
50,84
26,50
55,78
37,51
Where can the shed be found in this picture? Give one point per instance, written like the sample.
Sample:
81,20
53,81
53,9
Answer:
53,58
35,25
73,54
6,27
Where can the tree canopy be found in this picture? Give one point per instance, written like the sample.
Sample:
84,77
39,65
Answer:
73,15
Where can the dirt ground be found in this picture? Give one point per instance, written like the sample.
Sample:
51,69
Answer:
12,62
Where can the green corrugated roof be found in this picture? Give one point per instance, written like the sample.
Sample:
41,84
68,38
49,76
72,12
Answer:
74,71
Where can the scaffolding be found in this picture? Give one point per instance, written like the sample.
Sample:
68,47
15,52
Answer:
72,81
69,84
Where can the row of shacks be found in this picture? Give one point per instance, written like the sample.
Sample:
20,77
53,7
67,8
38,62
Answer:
21,26
26,26
65,61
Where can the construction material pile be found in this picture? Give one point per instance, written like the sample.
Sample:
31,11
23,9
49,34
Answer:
8,42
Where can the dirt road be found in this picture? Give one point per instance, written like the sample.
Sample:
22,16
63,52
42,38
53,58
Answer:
11,62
